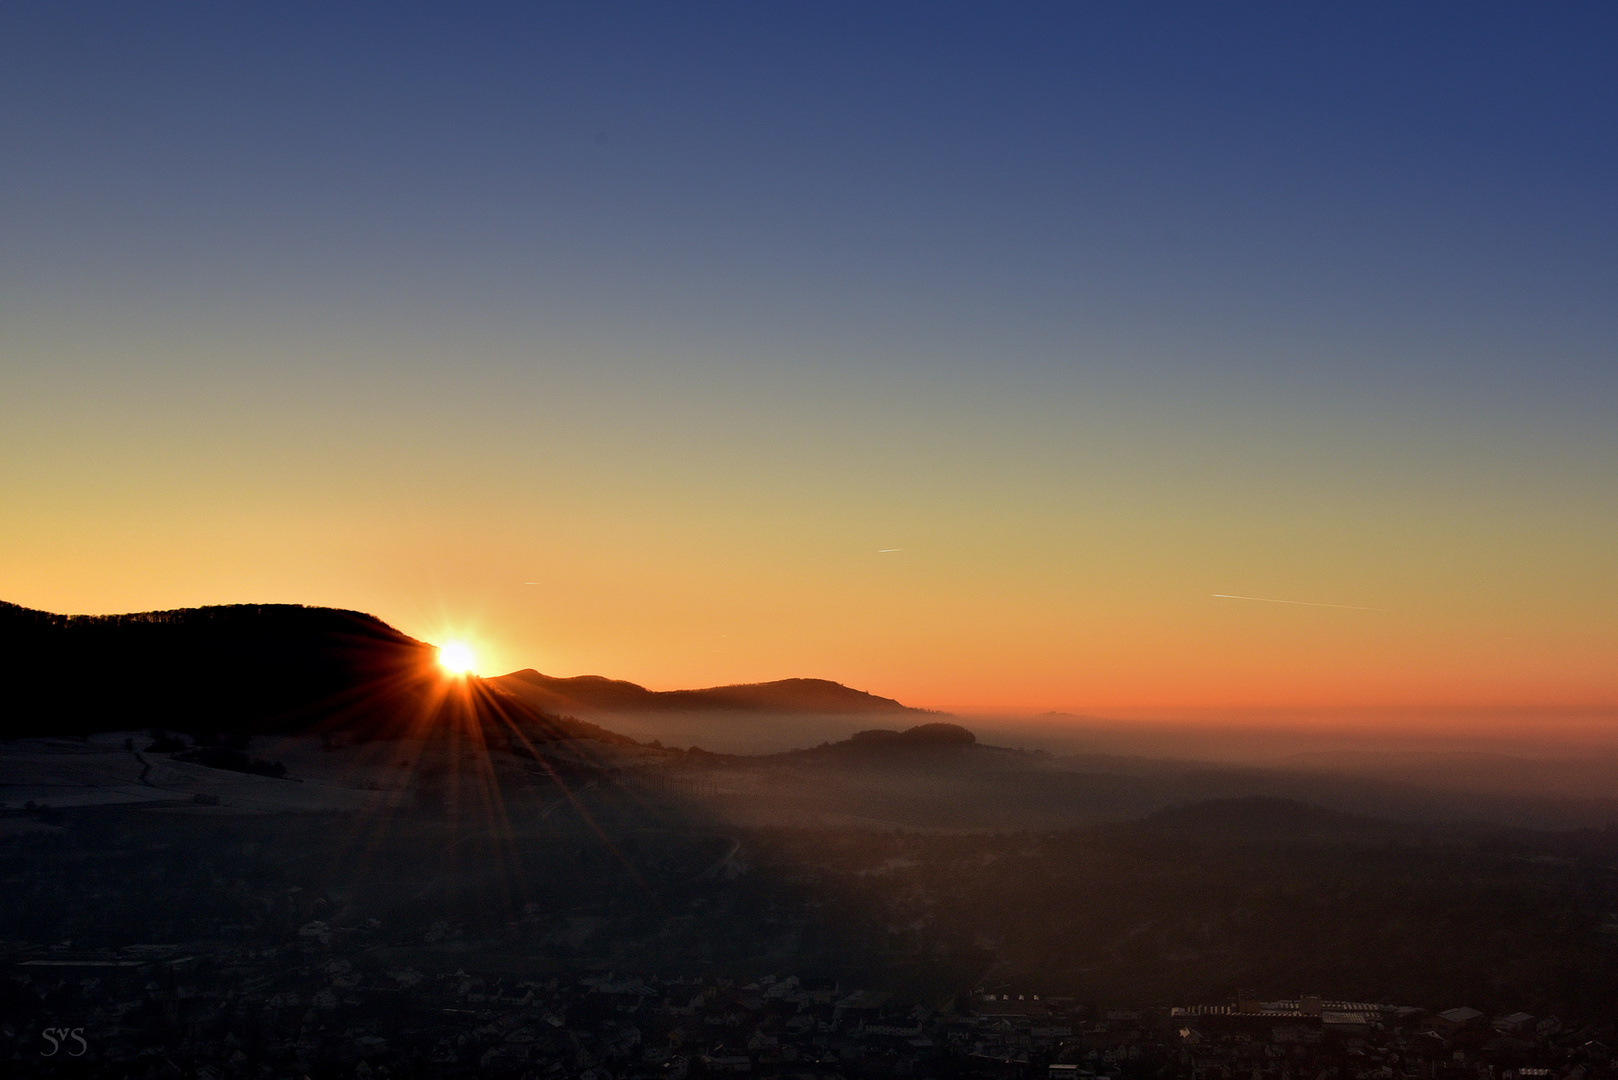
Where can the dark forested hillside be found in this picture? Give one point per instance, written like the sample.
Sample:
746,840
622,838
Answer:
254,667
249,668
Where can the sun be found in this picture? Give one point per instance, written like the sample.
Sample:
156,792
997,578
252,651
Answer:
456,658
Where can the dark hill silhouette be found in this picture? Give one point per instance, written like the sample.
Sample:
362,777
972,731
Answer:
1265,817
243,668
592,693
936,734
886,744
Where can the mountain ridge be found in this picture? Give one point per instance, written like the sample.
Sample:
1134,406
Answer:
251,669
596,693
291,668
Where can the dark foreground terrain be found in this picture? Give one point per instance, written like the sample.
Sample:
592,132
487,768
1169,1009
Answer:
574,924
279,842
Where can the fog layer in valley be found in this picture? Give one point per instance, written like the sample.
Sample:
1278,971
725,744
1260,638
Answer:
1550,769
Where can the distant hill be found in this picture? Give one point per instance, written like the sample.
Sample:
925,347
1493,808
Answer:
1265,817
884,743
592,693
936,734
245,668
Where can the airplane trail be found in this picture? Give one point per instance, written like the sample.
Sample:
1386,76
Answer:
1296,603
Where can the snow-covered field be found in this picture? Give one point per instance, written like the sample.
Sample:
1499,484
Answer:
114,769
117,769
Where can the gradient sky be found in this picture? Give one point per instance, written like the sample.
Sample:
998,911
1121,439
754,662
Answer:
624,339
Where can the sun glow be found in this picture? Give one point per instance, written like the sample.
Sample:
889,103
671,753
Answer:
456,658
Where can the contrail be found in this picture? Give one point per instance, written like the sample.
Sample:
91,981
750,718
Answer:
1298,603
884,551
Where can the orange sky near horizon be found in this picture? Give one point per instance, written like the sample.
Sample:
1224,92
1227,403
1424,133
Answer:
1053,555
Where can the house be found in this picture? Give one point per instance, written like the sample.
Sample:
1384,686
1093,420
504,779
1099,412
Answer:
1345,1023
727,1063
1451,1020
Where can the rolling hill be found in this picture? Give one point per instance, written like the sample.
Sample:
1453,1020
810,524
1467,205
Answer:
242,668
593,693
287,669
